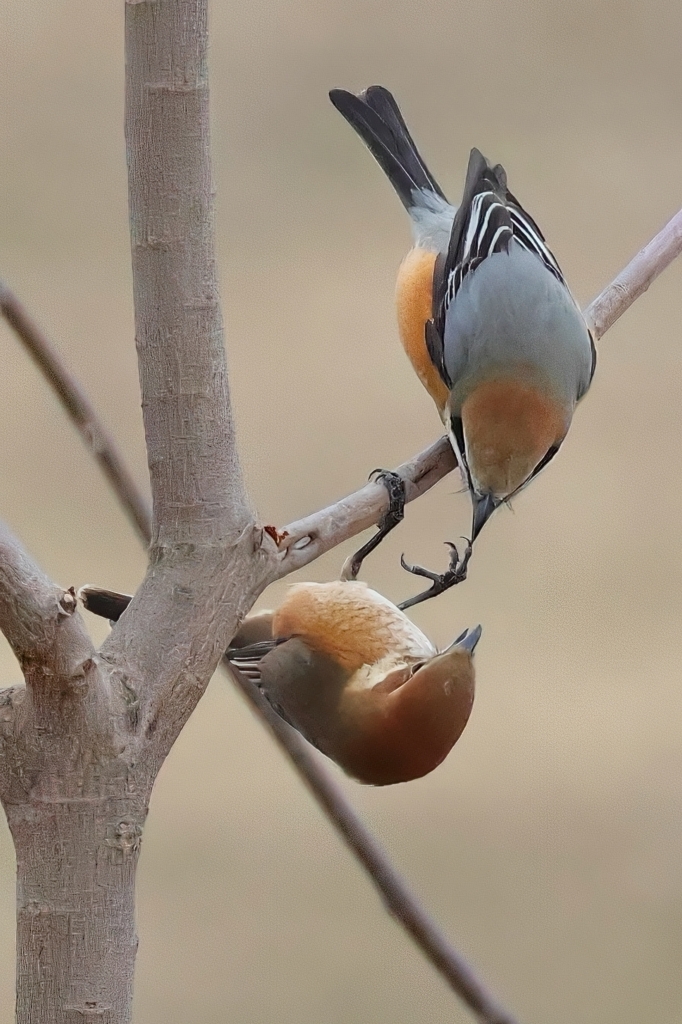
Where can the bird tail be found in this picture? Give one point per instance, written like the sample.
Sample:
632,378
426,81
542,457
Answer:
376,117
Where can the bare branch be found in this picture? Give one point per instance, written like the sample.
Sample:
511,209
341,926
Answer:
393,890
634,280
302,542
77,405
41,622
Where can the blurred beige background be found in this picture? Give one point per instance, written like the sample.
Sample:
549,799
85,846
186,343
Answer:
549,844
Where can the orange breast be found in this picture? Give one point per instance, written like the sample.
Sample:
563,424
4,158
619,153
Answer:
509,425
414,294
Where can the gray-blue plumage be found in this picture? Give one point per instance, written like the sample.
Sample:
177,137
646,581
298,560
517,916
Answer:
511,310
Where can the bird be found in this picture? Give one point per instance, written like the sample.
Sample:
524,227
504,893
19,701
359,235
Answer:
347,669
487,320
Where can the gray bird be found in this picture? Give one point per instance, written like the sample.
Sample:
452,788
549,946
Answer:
486,319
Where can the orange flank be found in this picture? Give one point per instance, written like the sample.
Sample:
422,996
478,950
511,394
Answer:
509,426
414,299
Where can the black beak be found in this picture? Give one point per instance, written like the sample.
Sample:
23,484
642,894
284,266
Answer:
467,640
484,506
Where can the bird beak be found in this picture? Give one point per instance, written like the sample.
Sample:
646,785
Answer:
484,506
467,640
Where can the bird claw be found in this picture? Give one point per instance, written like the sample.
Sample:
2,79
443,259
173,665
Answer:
395,486
440,582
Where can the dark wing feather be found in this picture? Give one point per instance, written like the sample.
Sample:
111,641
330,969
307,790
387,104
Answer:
593,350
434,346
482,226
376,117
248,660
546,458
487,219
459,446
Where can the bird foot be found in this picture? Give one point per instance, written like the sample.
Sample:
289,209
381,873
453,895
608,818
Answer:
395,486
440,582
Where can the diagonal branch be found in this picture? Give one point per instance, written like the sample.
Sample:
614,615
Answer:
77,406
420,474
302,542
634,280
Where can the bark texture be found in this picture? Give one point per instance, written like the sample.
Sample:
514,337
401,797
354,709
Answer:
75,806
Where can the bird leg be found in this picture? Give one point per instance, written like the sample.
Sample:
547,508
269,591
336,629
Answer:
457,573
395,486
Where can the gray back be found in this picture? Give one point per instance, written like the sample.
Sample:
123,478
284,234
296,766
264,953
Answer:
511,310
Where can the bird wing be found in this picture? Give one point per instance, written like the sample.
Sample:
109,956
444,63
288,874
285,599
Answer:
247,660
487,220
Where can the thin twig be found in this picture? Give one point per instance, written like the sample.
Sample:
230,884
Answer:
97,438
634,280
393,890
302,542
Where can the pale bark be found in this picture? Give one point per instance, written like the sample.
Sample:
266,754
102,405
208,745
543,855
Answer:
74,811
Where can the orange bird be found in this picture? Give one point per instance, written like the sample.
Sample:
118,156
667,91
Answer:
347,669
486,319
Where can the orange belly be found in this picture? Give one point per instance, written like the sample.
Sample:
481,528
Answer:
414,297
509,425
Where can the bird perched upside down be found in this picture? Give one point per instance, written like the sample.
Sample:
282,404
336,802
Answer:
486,319
359,680
347,669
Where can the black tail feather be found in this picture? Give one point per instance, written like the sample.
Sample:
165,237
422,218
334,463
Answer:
376,117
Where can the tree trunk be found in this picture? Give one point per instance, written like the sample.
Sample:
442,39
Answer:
76,939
